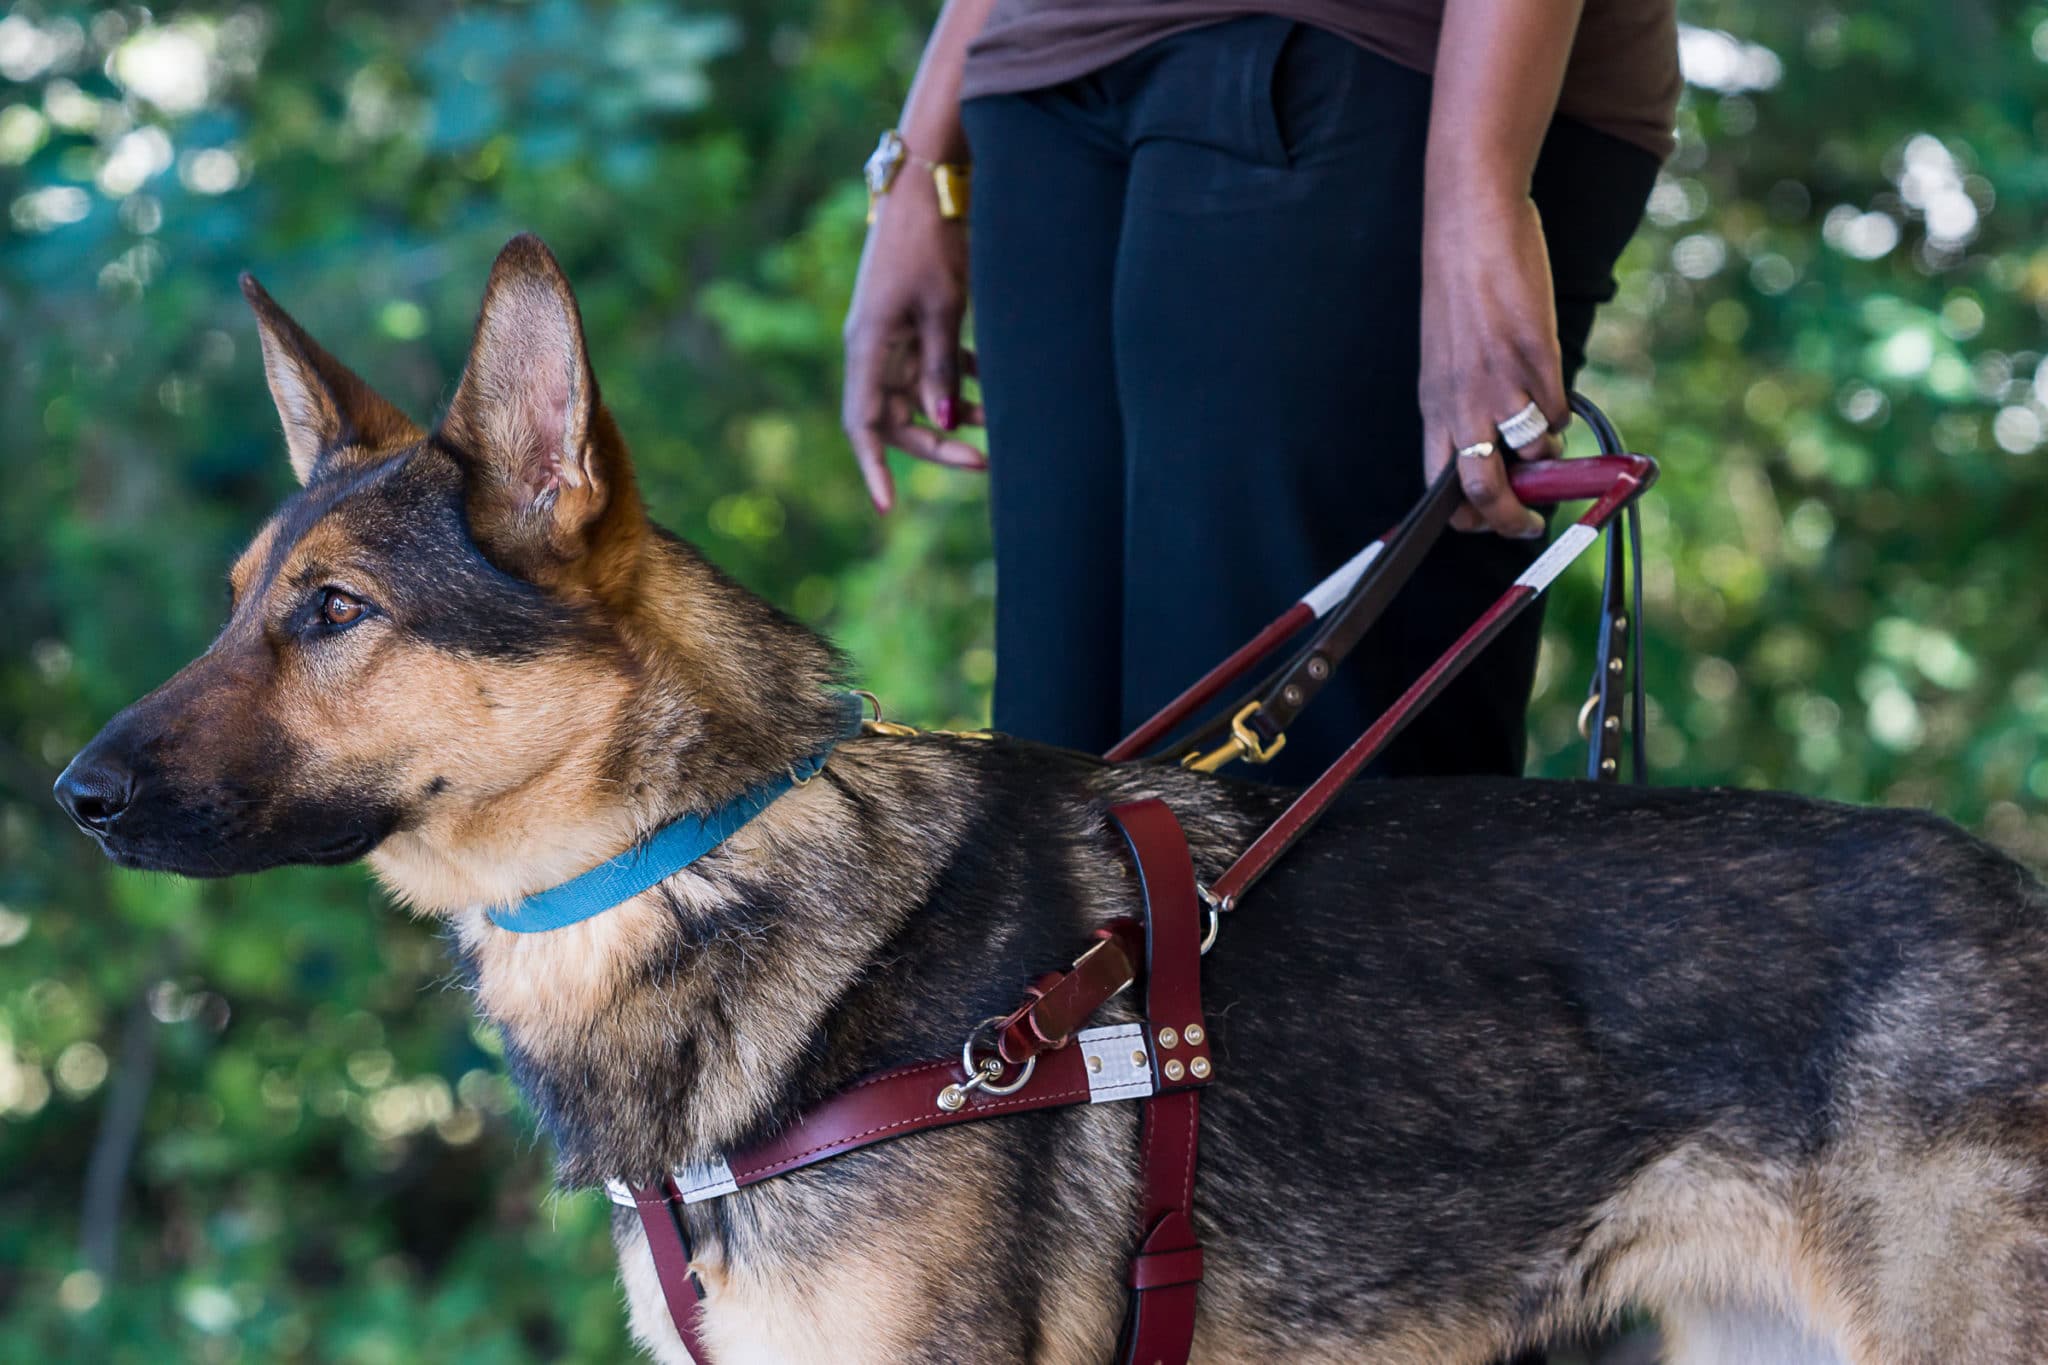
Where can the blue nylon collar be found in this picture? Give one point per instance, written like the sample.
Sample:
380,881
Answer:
659,856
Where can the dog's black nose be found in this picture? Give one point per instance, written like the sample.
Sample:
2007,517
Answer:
94,790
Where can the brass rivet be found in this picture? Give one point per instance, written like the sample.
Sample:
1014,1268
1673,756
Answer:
1138,1057
1194,1034
952,1098
1200,1066
1095,1064
1621,623
1291,695
1319,668
1611,723
1607,765
1168,1038
1614,664
1174,1071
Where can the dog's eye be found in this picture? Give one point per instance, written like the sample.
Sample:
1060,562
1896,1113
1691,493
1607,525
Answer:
340,610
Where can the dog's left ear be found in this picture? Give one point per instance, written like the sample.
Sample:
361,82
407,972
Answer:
525,415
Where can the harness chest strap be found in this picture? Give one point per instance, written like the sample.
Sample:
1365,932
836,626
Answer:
1164,1061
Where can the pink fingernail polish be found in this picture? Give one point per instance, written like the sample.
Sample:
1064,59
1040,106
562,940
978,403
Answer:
946,417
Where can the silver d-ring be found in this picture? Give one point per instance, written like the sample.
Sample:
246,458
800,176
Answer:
1525,426
1217,906
978,1077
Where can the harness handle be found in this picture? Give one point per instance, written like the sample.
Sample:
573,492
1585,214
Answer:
1352,599
1253,726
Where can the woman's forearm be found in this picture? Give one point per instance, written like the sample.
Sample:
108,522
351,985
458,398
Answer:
1499,67
930,124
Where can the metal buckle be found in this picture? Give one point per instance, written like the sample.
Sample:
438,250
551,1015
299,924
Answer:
1243,743
982,1075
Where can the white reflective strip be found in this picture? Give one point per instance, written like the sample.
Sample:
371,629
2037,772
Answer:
1552,561
711,1180
1118,1063
616,1191
1331,590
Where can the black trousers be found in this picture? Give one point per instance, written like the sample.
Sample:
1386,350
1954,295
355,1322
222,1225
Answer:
1196,286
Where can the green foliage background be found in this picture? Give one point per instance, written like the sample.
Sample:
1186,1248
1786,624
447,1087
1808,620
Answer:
1831,331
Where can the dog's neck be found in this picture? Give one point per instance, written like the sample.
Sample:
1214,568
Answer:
678,1023
695,703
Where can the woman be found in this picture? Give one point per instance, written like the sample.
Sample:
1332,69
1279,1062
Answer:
1218,252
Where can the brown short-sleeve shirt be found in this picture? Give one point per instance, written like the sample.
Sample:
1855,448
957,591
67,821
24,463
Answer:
1622,77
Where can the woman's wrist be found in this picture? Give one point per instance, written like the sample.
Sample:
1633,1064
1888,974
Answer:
936,135
1477,185
913,196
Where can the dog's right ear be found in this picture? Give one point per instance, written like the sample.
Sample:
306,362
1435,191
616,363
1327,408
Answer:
326,408
526,419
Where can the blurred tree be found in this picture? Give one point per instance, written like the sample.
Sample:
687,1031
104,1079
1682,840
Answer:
244,1120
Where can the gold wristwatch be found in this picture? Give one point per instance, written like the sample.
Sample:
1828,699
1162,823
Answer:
949,181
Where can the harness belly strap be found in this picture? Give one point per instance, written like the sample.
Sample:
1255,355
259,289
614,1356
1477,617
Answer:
1163,1061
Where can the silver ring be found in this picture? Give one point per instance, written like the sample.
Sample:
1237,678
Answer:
1478,450
1524,427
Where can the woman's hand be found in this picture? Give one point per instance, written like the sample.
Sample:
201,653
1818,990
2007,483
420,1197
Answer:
903,352
1489,347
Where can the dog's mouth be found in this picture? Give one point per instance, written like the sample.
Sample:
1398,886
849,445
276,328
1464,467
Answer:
198,857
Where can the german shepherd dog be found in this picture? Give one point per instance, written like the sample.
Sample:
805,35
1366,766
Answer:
1495,1059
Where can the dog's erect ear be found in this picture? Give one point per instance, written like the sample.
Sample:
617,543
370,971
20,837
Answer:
325,406
526,411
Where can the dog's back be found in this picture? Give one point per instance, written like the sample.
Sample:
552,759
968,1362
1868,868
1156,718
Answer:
1550,1048
1495,1061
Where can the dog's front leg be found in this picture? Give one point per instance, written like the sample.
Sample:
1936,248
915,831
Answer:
869,1306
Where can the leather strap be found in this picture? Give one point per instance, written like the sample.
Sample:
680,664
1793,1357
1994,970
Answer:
1061,1002
1297,685
1353,598
897,1103
1618,655
1166,1272
1635,473
663,1223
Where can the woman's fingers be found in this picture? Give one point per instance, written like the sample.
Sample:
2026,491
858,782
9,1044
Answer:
1438,450
1482,473
938,371
925,443
862,405
874,466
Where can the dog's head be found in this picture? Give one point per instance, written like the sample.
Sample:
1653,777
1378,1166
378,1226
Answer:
466,650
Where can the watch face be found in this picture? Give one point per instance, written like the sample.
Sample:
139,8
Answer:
883,163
